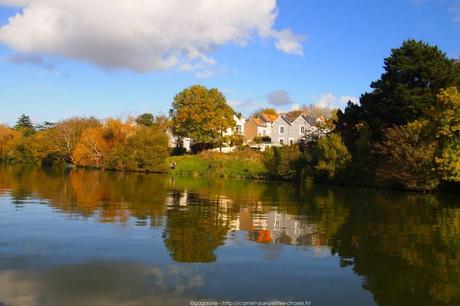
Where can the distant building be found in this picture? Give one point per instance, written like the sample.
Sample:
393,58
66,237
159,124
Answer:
175,142
259,126
287,132
238,129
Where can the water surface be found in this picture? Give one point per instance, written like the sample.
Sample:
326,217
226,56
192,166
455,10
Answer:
79,237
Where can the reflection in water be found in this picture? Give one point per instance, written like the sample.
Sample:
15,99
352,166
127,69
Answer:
98,284
406,247
194,229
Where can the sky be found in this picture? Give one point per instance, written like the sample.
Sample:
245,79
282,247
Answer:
64,58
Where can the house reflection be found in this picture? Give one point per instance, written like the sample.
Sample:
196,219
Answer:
263,224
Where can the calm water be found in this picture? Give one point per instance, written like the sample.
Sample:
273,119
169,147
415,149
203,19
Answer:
87,238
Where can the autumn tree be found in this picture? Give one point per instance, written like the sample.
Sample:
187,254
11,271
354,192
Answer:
96,142
268,111
330,158
145,150
317,111
146,119
445,124
407,157
6,136
201,114
65,135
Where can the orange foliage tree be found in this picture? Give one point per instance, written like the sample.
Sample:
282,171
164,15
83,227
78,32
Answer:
96,142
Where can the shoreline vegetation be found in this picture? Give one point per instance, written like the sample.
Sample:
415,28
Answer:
403,134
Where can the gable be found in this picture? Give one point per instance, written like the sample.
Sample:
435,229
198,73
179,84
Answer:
281,120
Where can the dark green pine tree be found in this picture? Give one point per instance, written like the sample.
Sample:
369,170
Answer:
413,76
24,123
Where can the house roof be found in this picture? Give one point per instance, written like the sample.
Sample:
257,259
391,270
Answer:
268,117
282,117
258,121
310,120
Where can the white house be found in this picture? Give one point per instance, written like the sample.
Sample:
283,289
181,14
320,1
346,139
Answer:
286,132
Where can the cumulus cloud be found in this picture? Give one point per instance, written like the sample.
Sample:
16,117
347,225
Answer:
288,42
142,35
279,98
329,100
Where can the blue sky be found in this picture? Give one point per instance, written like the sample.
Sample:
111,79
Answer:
343,49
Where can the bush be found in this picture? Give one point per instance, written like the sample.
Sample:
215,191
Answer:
330,159
146,150
286,163
407,159
262,139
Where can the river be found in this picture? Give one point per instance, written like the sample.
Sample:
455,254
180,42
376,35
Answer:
80,237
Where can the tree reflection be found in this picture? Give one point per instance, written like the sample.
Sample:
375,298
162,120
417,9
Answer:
193,232
107,196
405,246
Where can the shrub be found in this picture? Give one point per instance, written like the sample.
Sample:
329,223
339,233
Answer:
407,159
330,158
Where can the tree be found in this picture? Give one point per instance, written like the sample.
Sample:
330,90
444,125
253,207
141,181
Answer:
283,162
145,150
446,124
414,75
268,111
65,135
161,123
316,111
44,126
146,119
24,125
407,157
201,114
330,158
6,136
96,143
294,114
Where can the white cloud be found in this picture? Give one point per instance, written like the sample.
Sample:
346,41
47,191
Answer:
142,35
279,98
289,42
329,100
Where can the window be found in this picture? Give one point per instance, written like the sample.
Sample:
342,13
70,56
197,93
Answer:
238,129
282,129
291,142
281,141
302,129
264,133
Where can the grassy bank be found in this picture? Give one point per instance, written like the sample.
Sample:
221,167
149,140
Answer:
246,165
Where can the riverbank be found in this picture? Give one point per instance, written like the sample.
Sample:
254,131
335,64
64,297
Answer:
241,165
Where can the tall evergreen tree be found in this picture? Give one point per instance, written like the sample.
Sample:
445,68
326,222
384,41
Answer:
24,122
413,76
